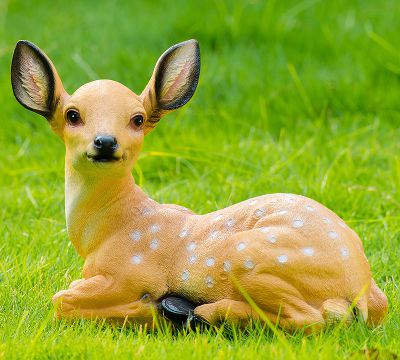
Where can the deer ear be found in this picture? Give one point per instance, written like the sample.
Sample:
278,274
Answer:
35,81
174,80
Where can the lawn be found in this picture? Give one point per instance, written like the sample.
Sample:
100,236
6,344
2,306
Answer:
300,97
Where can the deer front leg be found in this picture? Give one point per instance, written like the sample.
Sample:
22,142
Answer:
96,291
138,311
100,296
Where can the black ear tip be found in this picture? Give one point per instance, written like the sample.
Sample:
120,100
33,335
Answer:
27,44
23,43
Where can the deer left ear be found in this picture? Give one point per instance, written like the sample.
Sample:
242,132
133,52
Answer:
173,82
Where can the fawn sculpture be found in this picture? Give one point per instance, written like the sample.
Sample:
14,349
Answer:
298,261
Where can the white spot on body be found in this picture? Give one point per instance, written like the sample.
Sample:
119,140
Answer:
309,208
214,234
227,266
209,281
259,213
185,275
184,233
342,224
344,252
136,259
282,212
154,244
308,251
136,235
271,238
326,220
229,223
154,228
333,234
147,211
241,246
192,259
210,262
289,198
297,223
282,259
248,264
218,217
253,201
264,229
191,246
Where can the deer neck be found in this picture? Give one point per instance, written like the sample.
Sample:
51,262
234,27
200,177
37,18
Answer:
94,203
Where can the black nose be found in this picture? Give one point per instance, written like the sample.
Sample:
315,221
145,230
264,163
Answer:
105,144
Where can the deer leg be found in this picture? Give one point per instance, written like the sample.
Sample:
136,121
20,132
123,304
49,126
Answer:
237,312
137,311
240,313
99,296
98,290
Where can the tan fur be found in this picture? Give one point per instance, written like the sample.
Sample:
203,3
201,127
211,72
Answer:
293,257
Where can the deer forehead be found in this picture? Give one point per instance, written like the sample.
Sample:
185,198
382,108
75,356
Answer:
105,98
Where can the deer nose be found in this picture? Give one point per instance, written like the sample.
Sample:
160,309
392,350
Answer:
105,143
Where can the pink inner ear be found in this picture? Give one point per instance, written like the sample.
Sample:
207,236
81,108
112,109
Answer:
33,82
175,79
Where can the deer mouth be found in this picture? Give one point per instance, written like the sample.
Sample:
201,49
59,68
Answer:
101,158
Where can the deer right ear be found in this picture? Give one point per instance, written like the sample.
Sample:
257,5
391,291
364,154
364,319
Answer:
35,82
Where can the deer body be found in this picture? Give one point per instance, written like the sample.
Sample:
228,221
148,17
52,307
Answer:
298,261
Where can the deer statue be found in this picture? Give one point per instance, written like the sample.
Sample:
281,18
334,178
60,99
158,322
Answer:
279,258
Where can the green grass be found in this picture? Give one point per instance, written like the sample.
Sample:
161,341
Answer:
300,97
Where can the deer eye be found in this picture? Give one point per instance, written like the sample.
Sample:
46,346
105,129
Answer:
73,117
137,120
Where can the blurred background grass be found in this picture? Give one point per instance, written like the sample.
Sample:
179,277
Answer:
294,96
